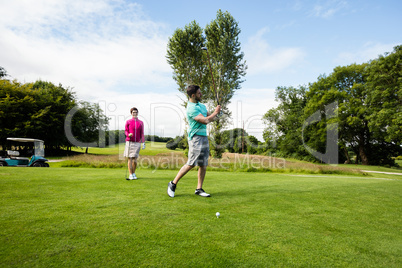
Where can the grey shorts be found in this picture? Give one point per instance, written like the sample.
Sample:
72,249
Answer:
132,149
198,152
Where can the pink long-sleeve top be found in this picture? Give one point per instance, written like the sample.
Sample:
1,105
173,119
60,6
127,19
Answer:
136,127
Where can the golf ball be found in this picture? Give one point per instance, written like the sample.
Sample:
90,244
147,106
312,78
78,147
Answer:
217,214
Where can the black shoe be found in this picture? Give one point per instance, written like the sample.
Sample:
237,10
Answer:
201,192
171,189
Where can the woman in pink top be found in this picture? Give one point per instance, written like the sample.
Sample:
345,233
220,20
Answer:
134,131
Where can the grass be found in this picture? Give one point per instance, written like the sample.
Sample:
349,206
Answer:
80,217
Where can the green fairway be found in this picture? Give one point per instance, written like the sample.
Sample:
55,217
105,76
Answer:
79,217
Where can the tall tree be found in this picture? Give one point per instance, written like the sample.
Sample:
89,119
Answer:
190,64
346,87
185,56
228,66
88,122
52,103
284,122
384,81
368,108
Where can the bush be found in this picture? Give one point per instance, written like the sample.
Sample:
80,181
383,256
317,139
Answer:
178,142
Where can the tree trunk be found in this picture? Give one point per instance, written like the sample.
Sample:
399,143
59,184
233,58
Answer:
347,155
86,150
363,155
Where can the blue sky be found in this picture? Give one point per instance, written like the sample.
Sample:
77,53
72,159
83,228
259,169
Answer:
113,52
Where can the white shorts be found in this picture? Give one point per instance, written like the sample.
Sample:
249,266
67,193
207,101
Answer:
132,149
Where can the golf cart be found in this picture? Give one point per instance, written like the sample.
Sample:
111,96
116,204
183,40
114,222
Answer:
24,152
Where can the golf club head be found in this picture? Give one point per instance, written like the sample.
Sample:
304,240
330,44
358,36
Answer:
204,48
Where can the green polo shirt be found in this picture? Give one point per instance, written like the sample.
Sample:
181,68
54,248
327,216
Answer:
196,128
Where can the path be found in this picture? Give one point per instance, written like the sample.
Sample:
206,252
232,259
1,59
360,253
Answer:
382,172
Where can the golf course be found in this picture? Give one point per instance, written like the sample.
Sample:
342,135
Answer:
93,217
180,134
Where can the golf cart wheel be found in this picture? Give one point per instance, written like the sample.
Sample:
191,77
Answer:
45,164
3,164
37,164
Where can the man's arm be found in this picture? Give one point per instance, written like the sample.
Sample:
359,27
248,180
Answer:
209,118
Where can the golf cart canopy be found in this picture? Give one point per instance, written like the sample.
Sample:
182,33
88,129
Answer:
24,140
39,148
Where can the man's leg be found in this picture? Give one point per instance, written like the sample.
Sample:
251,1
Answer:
183,171
172,185
201,176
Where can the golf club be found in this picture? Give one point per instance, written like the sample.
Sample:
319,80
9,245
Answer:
213,81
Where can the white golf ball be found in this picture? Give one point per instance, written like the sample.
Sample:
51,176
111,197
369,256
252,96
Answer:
217,214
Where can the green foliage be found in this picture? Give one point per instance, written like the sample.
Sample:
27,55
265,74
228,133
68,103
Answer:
227,63
252,144
346,88
231,139
88,121
368,100
284,123
171,144
185,56
384,82
34,110
180,142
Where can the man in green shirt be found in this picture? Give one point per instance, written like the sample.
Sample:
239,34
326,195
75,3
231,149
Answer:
198,118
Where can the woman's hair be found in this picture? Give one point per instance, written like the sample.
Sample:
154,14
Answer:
133,109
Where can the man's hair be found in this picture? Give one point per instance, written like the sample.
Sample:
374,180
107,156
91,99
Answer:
133,109
192,89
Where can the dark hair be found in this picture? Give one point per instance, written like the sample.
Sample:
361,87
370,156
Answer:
192,89
133,109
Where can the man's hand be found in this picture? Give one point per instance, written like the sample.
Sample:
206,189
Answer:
130,135
218,109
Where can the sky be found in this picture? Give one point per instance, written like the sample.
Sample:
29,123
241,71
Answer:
113,52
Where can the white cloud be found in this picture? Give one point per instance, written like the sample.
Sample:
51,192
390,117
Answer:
81,44
327,9
262,58
369,51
